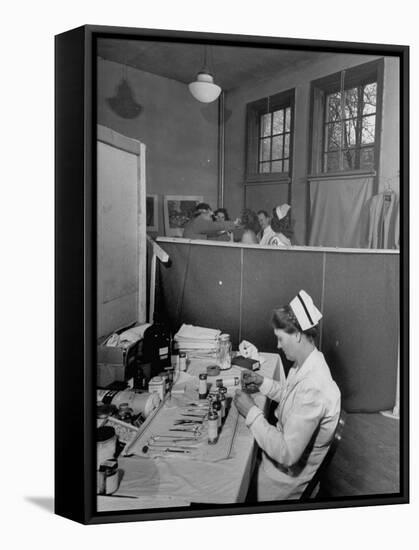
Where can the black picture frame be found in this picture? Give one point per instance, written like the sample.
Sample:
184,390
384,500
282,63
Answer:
75,252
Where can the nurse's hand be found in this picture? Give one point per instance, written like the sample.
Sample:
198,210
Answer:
250,378
243,402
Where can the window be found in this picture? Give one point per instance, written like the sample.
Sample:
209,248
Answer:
269,138
346,109
274,141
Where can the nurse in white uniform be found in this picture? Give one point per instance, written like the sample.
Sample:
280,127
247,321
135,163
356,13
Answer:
308,406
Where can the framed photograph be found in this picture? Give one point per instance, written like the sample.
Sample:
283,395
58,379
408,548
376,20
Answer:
267,374
152,202
178,210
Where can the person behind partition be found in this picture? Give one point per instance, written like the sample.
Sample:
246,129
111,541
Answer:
308,406
202,224
281,226
266,231
250,226
221,215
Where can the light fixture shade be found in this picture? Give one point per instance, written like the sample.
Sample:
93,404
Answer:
204,89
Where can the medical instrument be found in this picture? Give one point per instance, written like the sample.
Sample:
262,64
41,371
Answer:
167,450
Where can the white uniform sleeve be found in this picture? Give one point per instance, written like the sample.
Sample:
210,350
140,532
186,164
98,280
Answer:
271,388
286,444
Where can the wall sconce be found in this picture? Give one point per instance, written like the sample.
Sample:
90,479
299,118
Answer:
203,88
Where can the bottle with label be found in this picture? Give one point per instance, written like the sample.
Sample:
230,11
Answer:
202,390
212,425
156,346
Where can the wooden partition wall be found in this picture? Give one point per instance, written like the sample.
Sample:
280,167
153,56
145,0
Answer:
234,288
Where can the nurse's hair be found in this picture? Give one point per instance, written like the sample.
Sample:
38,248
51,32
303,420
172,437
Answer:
283,318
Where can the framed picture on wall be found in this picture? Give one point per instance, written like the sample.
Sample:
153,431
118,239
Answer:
152,202
178,210
137,114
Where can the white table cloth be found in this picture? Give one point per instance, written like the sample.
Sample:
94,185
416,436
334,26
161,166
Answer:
176,481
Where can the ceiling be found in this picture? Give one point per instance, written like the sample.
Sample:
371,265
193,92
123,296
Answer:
231,66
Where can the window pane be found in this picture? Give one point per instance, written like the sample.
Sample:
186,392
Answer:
265,167
349,138
287,145
278,122
286,165
332,162
367,157
277,166
349,159
351,103
368,129
370,99
333,107
265,149
277,147
265,125
288,119
333,136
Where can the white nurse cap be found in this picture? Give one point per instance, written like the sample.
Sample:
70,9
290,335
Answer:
305,311
282,211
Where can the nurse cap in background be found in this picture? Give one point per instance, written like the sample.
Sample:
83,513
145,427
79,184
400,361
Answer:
305,311
282,211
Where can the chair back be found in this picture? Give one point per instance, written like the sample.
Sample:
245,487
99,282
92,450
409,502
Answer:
321,470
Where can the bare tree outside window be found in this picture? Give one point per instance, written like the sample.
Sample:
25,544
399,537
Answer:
349,128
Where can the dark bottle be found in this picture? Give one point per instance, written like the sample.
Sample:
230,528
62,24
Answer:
156,346
216,405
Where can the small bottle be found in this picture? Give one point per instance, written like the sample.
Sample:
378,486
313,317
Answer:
203,389
170,376
217,408
212,425
182,361
219,383
125,413
222,393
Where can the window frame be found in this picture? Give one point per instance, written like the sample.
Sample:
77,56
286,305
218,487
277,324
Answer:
254,111
359,75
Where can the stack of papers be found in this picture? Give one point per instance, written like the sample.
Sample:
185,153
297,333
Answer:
197,341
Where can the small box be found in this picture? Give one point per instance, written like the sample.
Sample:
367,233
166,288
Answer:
115,363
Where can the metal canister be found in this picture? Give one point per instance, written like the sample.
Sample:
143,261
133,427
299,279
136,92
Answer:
165,376
108,477
106,444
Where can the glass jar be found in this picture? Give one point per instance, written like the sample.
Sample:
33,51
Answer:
224,352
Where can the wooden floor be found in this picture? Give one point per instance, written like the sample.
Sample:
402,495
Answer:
367,459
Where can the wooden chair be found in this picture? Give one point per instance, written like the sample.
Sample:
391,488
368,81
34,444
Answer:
314,487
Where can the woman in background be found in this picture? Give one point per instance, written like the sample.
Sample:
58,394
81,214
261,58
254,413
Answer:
221,215
308,406
250,226
281,226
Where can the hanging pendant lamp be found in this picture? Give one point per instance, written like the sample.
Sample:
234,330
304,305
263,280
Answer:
203,88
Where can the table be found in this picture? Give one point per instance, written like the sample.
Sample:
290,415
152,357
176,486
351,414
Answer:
171,481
